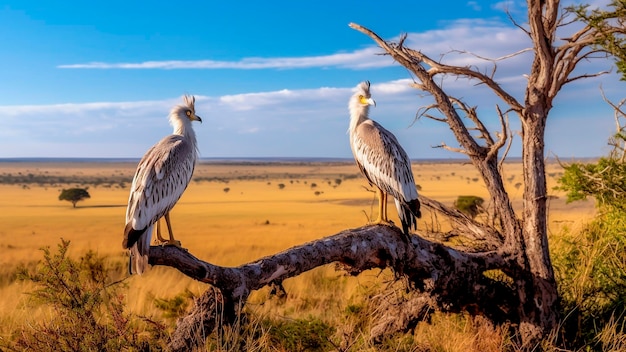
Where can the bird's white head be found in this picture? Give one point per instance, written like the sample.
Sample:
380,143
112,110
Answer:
360,101
182,115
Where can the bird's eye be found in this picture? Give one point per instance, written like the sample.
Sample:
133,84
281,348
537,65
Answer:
188,112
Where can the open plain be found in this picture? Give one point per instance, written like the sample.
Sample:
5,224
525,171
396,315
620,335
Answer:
232,213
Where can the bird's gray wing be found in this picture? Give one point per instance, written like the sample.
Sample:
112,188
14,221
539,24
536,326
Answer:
383,161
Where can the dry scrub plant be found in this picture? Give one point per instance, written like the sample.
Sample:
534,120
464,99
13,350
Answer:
87,309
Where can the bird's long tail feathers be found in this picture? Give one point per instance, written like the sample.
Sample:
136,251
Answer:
414,206
408,213
139,251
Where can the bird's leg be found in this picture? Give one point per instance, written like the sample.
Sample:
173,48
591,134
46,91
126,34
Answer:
382,208
385,219
158,231
171,241
379,196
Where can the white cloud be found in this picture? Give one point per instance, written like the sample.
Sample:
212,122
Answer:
250,130
470,42
83,123
305,122
79,108
250,101
393,87
308,122
359,59
506,5
493,39
463,42
474,5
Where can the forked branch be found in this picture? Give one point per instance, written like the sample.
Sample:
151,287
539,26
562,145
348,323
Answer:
482,235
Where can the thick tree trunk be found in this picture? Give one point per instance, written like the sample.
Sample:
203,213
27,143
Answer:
539,313
537,287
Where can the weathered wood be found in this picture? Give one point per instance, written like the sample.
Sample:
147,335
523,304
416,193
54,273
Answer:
395,313
207,313
454,279
483,237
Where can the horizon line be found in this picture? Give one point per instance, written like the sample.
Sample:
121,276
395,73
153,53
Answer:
269,159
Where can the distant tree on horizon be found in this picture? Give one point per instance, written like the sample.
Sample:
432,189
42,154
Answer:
74,195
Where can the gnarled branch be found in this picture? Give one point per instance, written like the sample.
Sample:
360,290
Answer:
484,237
453,278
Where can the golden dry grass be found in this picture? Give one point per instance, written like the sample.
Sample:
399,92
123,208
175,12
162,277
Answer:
255,217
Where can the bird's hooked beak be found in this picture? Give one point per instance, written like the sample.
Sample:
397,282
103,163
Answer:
368,101
192,116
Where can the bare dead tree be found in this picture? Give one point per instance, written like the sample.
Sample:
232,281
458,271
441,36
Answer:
450,279
525,245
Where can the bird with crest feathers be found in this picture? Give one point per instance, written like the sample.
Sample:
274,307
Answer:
161,178
382,161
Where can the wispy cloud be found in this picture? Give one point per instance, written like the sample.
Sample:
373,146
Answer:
360,59
283,99
66,109
493,37
88,122
506,5
474,5
241,124
288,122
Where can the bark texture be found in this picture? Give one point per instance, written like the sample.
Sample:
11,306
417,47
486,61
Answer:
453,280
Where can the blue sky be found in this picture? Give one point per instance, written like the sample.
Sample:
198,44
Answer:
272,79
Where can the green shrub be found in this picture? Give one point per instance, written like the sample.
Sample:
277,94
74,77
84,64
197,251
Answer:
175,307
88,309
470,205
603,180
310,334
590,267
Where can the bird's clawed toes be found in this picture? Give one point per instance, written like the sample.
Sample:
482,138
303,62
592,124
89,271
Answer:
384,223
175,243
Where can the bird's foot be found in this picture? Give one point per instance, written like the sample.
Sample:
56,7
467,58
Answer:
383,222
175,243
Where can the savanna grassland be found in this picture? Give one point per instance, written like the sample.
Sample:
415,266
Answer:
233,213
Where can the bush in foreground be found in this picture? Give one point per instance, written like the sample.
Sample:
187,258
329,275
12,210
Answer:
88,309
